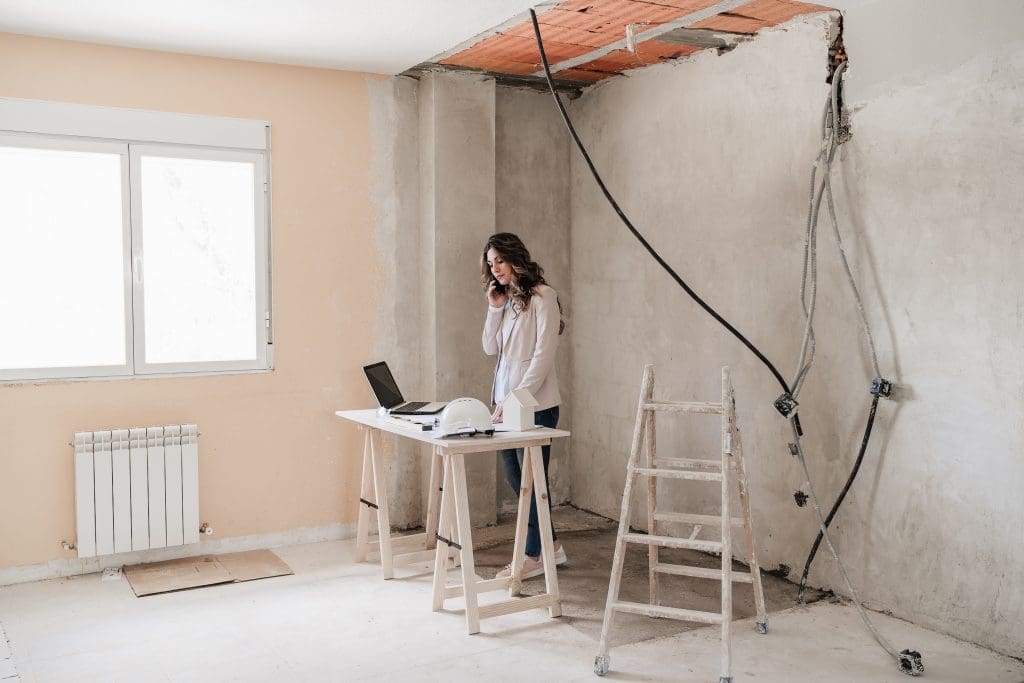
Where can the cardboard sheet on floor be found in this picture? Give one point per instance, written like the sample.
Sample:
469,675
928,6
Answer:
205,570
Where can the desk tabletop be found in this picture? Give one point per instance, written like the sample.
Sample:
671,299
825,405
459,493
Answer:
541,436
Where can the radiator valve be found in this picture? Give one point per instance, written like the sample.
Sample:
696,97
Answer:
206,528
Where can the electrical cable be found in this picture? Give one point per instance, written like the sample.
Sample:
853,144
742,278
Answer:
839,499
909,661
829,145
636,233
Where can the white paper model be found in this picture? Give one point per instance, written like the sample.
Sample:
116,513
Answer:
518,410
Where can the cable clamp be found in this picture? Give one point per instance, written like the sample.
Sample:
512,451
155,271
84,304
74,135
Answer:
910,663
793,450
786,404
881,387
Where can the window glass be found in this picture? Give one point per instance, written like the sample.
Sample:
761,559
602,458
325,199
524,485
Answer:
62,269
199,256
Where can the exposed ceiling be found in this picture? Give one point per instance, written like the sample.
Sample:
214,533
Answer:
585,40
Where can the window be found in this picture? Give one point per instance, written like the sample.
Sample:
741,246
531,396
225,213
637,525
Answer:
130,258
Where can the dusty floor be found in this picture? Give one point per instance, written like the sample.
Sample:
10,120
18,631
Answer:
336,620
589,541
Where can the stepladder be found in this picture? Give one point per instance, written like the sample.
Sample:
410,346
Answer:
729,472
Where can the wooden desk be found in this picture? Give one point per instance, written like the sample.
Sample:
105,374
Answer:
448,515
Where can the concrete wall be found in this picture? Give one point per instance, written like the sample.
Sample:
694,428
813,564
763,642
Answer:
532,180
399,318
710,158
273,458
930,191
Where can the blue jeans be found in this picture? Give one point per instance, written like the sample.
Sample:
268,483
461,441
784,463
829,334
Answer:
512,459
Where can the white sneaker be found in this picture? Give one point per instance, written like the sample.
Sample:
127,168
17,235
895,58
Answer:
531,568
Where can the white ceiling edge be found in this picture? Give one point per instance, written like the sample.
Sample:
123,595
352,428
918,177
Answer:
375,36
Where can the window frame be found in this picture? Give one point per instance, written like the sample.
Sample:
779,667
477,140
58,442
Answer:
132,134
262,309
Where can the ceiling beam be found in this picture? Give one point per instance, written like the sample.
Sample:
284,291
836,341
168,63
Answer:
701,37
686,19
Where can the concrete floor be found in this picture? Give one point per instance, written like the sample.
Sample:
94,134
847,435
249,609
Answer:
335,620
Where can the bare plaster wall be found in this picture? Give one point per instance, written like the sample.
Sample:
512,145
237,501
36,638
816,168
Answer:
929,188
455,160
532,197
457,213
398,320
710,158
273,457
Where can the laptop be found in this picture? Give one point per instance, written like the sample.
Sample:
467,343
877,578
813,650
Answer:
390,396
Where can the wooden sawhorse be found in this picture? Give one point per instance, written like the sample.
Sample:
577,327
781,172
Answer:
448,516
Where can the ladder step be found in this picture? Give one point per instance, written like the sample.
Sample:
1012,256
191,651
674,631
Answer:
701,572
668,612
684,407
678,474
673,542
705,520
689,462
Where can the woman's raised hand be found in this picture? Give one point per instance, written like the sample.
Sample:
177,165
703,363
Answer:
495,298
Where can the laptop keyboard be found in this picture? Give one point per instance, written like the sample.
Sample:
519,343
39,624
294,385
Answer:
413,405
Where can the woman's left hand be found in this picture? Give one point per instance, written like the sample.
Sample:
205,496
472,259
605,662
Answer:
496,416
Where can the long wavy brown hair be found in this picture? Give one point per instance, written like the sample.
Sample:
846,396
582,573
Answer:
526,273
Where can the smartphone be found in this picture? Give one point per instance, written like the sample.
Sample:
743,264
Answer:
498,287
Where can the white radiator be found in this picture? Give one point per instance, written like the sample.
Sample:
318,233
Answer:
136,489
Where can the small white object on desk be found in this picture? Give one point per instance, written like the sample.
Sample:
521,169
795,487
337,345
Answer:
517,410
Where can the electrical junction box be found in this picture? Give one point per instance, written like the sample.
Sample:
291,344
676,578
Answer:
518,409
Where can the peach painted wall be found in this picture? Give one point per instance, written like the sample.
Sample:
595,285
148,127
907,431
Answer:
271,451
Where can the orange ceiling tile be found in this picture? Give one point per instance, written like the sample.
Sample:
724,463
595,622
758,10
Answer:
731,23
525,49
687,5
562,34
649,52
585,75
575,28
617,60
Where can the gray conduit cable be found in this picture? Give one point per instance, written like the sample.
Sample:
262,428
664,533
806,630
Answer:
829,146
909,661
832,106
839,498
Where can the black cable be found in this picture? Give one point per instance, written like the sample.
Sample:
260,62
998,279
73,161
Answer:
909,660
842,495
611,200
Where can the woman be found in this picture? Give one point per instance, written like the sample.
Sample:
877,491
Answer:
522,328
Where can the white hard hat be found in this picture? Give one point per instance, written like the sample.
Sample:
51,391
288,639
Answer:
465,417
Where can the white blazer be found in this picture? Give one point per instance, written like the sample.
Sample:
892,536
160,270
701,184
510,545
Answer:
529,351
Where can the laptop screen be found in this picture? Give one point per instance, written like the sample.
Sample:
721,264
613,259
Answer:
383,385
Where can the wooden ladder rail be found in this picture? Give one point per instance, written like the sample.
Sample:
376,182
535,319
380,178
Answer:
731,465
